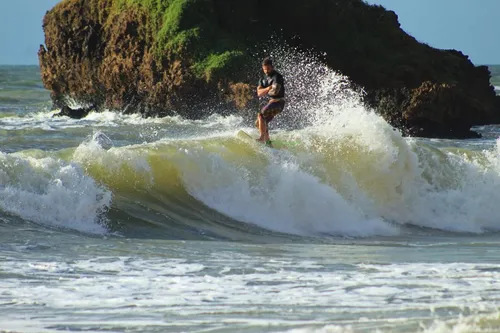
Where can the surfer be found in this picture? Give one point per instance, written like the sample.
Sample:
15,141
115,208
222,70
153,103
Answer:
273,88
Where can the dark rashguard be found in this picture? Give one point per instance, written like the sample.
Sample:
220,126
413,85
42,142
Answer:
277,82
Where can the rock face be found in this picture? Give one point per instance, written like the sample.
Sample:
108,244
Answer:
156,56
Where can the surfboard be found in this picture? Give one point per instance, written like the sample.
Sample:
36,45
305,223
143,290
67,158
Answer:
277,144
247,137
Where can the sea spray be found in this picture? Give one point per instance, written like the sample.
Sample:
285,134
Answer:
310,86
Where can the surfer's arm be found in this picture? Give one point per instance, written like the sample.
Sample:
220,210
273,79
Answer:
263,91
274,89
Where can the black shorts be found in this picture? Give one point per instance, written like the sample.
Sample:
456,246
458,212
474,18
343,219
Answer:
272,109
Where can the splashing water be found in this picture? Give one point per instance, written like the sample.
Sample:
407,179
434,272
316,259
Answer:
51,192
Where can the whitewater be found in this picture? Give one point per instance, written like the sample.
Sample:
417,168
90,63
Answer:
120,223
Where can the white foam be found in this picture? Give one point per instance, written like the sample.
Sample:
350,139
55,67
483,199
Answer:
277,195
464,324
325,329
133,292
51,192
448,191
46,121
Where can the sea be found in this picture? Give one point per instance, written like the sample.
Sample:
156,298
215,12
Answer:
119,223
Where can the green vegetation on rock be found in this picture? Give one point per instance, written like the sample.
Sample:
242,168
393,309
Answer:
216,63
187,29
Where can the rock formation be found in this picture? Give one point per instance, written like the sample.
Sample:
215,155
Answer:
162,56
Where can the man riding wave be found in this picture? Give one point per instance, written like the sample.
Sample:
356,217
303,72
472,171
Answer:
271,86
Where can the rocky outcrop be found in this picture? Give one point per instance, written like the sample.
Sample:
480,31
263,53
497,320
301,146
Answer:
441,107
163,56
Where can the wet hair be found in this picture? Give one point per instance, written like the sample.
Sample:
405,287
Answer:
267,62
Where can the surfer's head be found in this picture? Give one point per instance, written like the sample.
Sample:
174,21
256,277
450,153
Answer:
267,66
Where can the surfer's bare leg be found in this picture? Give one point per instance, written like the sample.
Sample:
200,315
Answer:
263,129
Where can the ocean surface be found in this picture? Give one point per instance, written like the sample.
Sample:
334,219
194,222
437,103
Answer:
116,223
495,77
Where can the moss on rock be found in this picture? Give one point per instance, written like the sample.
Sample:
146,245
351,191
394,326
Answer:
188,29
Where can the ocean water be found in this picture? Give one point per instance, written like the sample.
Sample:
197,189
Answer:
116,223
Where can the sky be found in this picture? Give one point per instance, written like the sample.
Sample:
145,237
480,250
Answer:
470,26
465,25
21,30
